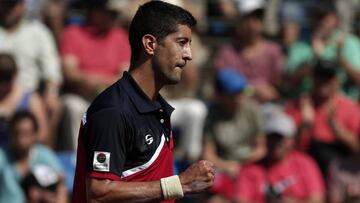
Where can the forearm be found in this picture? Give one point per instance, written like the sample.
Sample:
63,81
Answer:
118,191
352,73
61,193
315,199
259,150
345,136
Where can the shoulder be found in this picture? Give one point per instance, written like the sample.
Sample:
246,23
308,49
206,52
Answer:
114,97
41,150
72,30
250,106
35,25
252,170
119,32
227,48
301,158
271,46
344,101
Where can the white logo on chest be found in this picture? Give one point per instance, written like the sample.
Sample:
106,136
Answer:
149,139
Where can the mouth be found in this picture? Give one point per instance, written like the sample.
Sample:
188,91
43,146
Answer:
181,65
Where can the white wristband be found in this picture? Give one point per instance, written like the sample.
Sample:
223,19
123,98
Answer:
171,187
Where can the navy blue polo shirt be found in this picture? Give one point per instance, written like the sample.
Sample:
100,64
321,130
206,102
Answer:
124,136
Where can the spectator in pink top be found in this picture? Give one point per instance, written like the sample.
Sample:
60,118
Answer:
259,60
94,55
328,122
284,175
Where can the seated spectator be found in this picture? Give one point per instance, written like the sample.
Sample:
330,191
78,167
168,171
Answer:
233,134
34,166
344,180
259,60
34,50
328,121
10,190
15,98
94,55
284,175
330,43
299,56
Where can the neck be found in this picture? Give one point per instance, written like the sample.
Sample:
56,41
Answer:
145,77
249,42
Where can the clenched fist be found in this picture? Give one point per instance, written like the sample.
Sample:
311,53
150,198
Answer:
198,178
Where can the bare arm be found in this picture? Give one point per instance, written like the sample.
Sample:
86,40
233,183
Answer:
345,136
197,178
37,108
61,192
231,168
84,84
117,191
351,71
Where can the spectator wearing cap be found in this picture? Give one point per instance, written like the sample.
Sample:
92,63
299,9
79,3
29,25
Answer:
260,61
94,55
327,121
34,50
233,131
284,174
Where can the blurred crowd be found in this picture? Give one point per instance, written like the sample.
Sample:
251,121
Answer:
271,96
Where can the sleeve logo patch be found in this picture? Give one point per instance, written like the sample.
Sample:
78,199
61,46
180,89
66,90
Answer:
101,161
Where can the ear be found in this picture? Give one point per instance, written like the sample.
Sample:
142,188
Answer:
149,43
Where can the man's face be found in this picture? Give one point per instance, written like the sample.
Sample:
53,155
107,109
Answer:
328,23
23,136
102,19
249,26
171,55
278,146
5,88
10,15
325,88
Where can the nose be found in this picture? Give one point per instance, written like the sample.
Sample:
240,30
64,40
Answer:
187,53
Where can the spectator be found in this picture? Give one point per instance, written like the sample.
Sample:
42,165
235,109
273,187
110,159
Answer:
328,121
14,98
299,56
94,56
259,60
34,166
10,190
284,175
330,43
233,133
33,47
344,176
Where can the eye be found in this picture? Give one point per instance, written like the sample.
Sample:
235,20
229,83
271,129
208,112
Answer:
182,42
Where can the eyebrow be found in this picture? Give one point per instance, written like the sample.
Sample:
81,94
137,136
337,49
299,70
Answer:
184,38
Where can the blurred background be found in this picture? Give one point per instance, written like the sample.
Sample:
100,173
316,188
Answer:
271,95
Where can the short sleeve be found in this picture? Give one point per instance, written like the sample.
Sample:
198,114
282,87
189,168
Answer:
351,51
278,60
48,56
106,144
67,44
246,185
312,177
46,156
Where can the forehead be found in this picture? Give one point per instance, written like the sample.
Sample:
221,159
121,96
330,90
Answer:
183,31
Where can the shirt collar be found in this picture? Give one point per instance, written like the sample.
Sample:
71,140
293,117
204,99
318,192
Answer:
141,101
